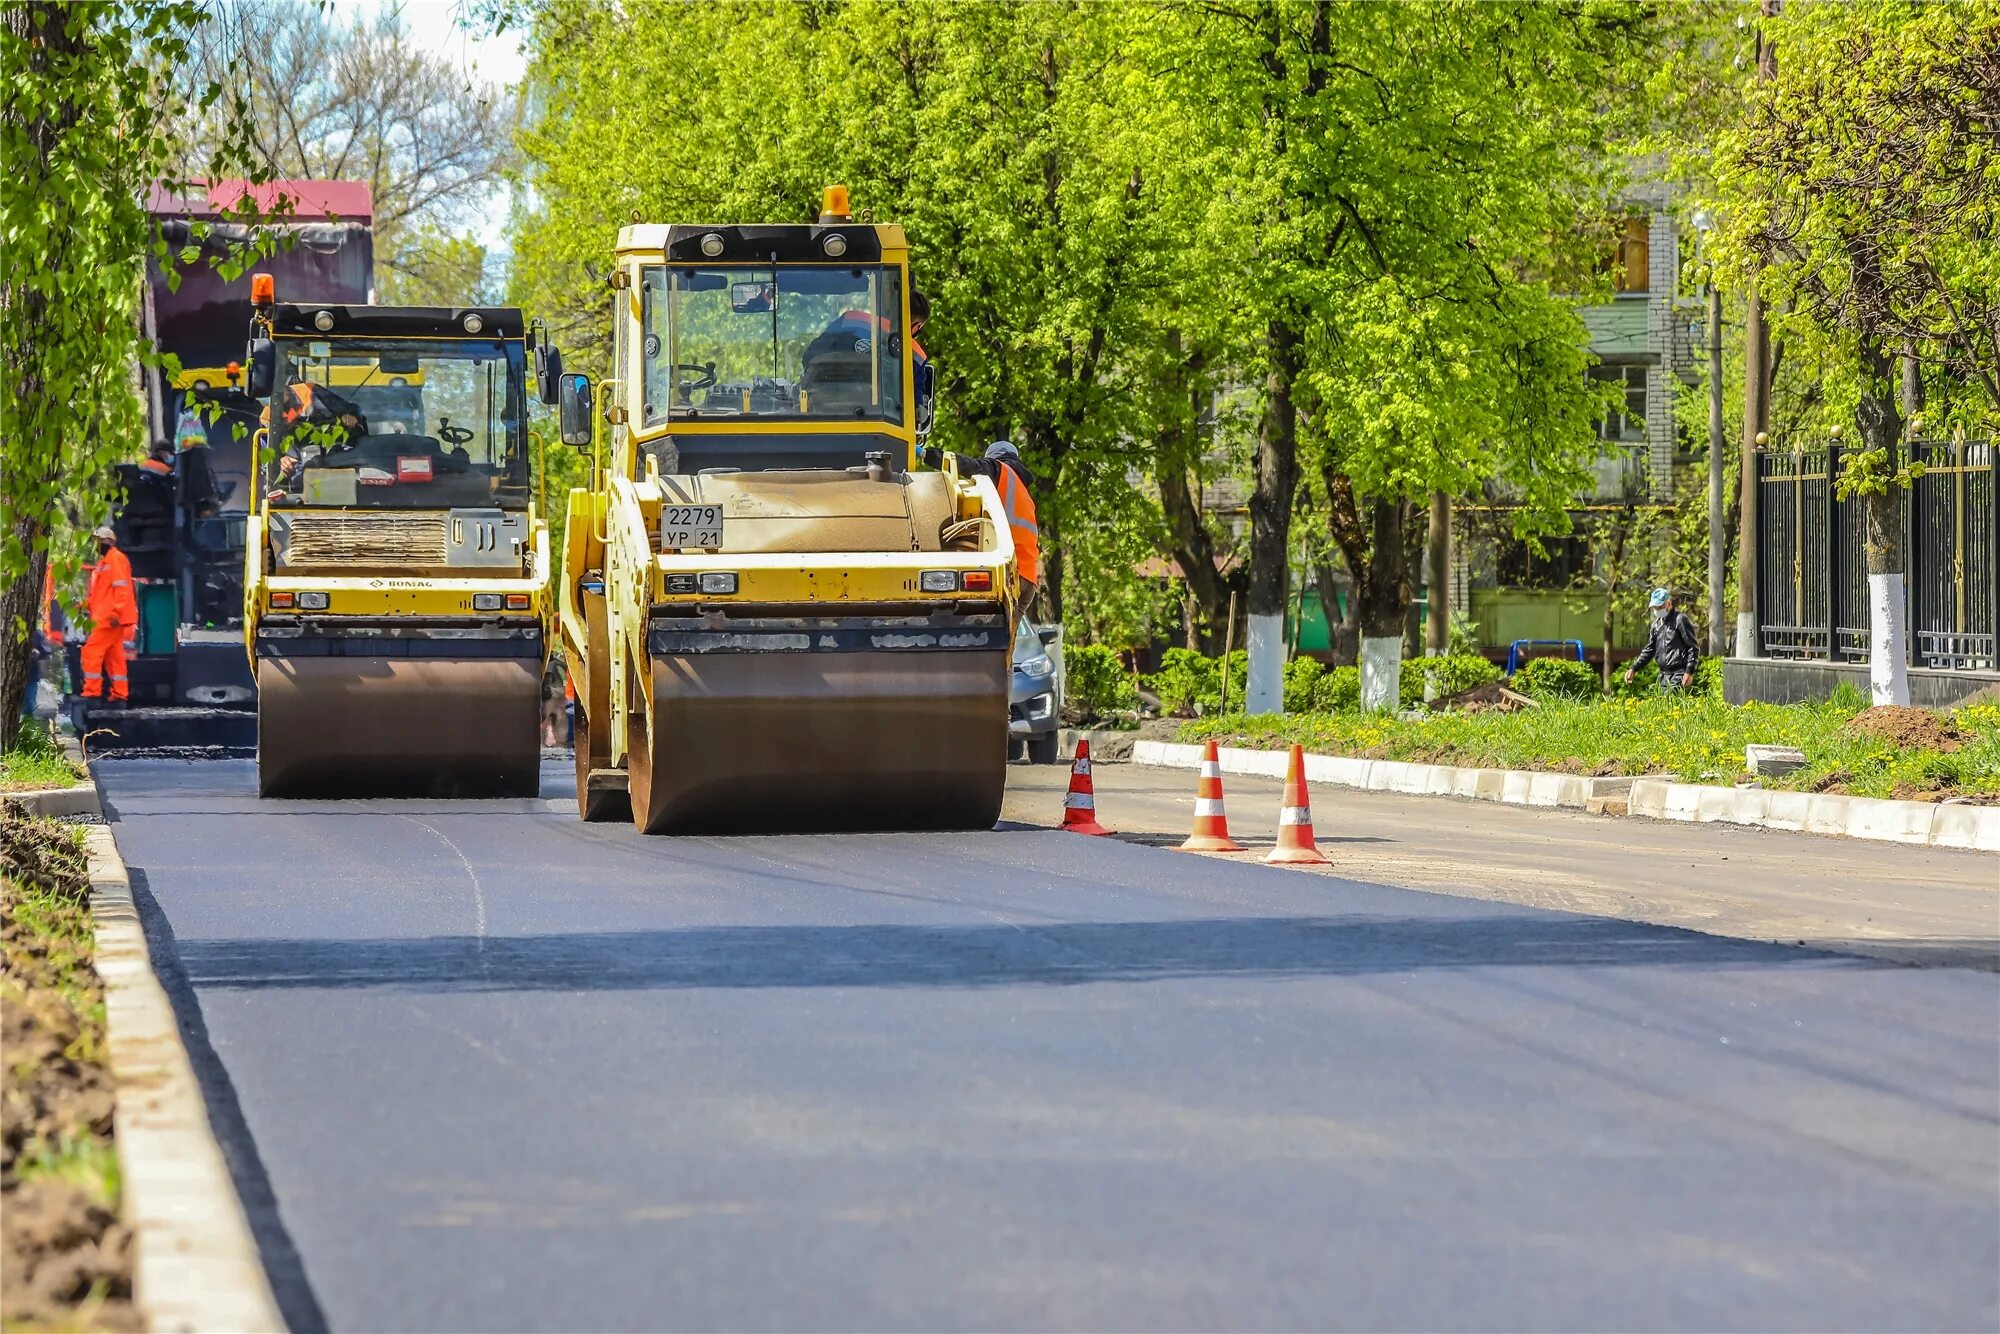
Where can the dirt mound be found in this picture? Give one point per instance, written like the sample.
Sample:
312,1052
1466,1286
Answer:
1906,728
1491,697
65,1258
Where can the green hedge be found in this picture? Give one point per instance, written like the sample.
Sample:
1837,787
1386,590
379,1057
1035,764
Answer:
1096,682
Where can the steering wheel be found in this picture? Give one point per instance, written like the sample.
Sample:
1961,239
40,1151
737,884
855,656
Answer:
706,380
452,435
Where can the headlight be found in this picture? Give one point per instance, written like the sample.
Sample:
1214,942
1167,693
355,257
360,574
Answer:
711,245
323,321
473,324
1039,665
486,602
718,583
312,602
938,581
835,245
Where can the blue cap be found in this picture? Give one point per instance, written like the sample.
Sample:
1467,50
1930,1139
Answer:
1000,449
1659,598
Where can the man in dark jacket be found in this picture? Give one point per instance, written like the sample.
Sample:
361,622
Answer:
1672,641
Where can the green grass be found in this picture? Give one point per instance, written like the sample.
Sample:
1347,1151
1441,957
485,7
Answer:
36,761
1693,740
85,1161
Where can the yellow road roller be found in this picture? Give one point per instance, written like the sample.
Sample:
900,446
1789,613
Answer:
772,621
396,604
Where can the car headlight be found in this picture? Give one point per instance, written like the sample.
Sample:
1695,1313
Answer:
1039,665
312,602
486,602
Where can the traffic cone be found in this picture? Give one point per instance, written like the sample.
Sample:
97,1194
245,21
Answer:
1211,826
1295,820
1080,806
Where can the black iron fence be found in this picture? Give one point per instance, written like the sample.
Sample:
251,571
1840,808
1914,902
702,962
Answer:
1812,578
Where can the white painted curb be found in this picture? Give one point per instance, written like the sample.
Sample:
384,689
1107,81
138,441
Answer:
1929,824
56,801
1515,787
1921,822
195,1265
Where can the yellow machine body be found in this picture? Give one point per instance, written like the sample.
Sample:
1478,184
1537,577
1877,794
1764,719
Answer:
400,651
836,653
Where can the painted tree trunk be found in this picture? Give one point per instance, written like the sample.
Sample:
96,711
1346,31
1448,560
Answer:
1277,478
1882,523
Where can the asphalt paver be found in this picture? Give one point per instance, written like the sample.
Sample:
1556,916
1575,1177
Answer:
478,1066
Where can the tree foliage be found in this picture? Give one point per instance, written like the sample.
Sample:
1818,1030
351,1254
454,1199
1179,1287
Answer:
86,130
330,99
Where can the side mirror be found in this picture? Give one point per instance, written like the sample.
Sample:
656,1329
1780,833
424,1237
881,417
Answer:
263,368
1049,634
548,371
573,410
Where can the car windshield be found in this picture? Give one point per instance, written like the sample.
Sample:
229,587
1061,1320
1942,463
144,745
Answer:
805,342
402,424
1027,641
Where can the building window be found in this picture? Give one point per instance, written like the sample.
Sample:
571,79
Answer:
1635,249
1628,424
1562,562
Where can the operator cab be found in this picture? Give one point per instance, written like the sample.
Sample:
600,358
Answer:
756,348
391,408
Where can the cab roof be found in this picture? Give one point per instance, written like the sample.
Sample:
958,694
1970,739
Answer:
300,320
795,243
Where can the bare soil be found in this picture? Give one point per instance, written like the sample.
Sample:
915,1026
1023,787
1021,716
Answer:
1906,728
1491,697
65,1259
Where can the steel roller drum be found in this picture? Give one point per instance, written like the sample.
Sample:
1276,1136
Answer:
822,741
398,727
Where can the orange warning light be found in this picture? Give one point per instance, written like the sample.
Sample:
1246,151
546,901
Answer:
263,289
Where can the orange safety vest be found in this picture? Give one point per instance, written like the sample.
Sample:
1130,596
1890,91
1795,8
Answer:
112,601
1021,518
157,465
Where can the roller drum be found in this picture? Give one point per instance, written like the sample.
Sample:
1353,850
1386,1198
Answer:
812,741
398,727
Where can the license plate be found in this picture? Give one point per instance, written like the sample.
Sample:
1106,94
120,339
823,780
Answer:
690,526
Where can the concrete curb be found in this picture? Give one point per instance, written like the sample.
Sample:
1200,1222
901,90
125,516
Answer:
1515,787
1928,823
195,1264
54,801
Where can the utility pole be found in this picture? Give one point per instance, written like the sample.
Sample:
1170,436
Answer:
1756,412
1717,642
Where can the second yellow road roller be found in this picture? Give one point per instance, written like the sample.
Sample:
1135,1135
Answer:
771,619
396,604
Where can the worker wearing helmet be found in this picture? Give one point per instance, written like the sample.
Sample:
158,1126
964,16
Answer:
160,460
1002,462
114,614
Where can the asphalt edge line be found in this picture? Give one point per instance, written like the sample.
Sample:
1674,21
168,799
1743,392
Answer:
1924,823
196,1268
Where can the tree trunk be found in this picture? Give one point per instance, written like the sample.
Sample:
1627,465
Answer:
1913,387
1189,537
1385,591
1437,576
1717,522
1277,478
1882,522
43,24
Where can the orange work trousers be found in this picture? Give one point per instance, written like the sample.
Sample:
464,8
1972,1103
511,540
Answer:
104,655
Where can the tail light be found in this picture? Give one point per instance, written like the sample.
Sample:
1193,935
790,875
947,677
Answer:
977,581
517,602
281,601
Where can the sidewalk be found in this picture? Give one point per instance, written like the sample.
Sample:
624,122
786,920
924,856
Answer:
1919,905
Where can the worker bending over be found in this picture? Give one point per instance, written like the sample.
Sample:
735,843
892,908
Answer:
114,613
1003,464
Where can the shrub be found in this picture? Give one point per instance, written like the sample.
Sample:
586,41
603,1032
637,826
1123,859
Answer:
1096,680
1301,675
1557,678
1410,684
1847,698
1337,691
1184,677
1708,678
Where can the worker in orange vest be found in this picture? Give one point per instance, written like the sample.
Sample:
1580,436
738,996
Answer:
1003,464
114,614
161,460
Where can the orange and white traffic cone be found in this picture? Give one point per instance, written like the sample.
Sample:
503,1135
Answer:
1080,806
1211,826
1295,820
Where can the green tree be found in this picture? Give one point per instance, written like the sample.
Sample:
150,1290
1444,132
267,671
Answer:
1860,188
85,131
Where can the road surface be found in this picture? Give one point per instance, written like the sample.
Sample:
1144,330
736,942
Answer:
480,1067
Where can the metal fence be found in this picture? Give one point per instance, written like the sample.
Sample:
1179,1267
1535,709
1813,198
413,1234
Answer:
1812,578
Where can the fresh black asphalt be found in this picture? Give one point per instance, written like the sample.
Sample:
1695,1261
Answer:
480,1067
